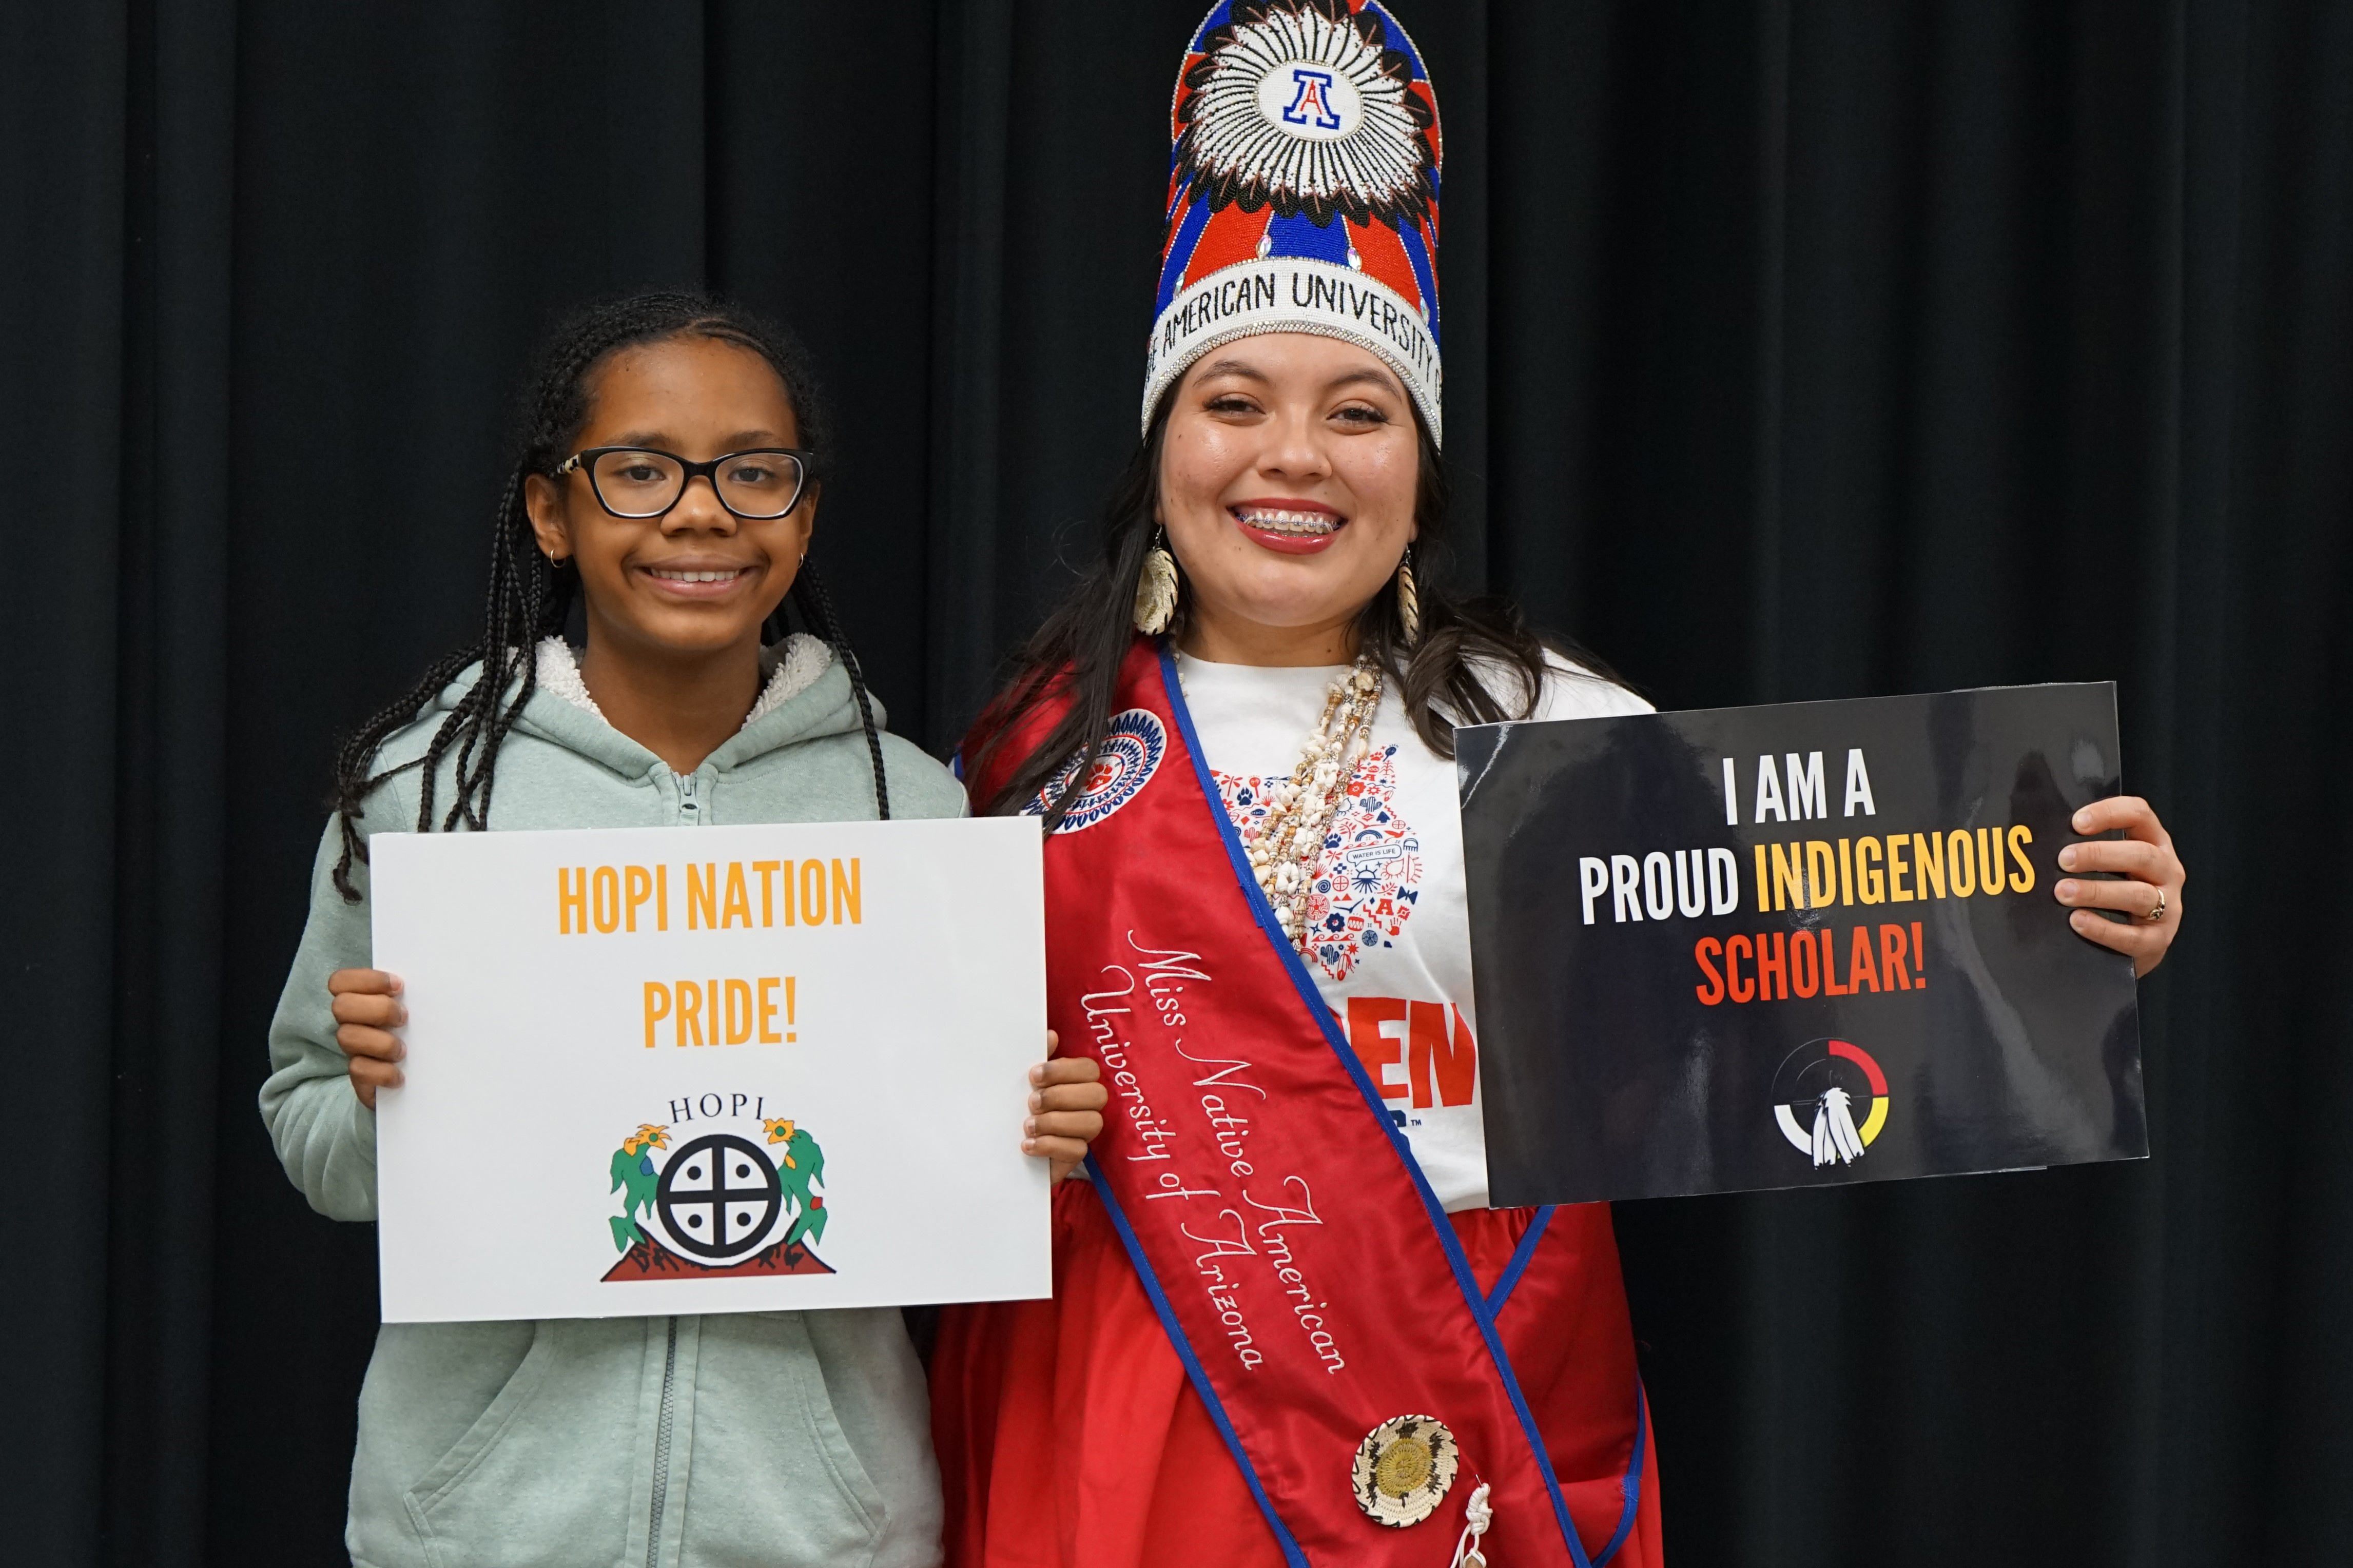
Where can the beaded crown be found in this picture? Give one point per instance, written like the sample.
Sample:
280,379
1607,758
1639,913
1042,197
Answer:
1302,191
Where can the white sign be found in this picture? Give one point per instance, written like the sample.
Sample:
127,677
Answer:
734,1069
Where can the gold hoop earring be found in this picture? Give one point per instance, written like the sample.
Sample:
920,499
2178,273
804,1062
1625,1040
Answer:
1156,589
1408,601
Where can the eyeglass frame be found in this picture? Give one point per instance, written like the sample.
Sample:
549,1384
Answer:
584,462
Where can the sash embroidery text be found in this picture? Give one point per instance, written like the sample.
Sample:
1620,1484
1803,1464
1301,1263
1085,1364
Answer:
1222,1082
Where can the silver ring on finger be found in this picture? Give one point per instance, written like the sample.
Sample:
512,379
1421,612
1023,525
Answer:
2157,914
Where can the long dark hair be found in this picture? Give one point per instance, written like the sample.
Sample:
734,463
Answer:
531,597
1077,653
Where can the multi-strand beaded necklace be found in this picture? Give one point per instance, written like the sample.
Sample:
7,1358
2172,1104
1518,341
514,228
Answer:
1286,846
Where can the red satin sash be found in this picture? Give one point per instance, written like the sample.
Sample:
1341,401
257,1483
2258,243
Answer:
1306,1275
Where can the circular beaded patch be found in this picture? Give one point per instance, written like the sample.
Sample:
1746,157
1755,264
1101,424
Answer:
1403,1468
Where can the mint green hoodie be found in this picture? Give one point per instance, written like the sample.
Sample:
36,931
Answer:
769,1439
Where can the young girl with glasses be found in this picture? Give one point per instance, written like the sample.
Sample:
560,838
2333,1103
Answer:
666,486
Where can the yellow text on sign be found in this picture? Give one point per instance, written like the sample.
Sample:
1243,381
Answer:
722,1012
720,896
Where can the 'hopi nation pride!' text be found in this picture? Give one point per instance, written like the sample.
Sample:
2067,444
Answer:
718,896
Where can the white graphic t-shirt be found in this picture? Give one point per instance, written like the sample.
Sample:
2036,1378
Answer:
1391,944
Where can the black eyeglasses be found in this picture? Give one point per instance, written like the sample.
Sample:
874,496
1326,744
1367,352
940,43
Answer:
638,481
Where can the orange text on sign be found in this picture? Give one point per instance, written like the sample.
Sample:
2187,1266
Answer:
721,895
722,1012
1773,965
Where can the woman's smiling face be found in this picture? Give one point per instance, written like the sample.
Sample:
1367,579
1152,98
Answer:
697,579
1287,475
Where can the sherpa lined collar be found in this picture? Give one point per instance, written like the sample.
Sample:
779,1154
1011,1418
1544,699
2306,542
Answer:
792,667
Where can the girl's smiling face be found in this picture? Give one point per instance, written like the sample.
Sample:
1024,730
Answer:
1288,477
698,580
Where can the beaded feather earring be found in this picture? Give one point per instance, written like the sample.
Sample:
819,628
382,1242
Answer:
1156,589
1408,601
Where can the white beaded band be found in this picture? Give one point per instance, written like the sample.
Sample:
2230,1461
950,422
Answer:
1292,294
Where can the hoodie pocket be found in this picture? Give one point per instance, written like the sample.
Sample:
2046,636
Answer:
778,1483
541,1478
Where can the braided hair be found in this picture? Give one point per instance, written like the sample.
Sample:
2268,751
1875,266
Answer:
531,597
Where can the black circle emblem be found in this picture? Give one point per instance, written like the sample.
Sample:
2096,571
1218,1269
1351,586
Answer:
719,1196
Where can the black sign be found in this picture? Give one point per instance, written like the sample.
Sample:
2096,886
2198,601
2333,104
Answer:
1793,946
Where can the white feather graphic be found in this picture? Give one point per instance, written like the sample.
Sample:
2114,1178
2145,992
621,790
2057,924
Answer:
1834,1134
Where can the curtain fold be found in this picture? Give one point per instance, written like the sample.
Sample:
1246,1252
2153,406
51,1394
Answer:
67,279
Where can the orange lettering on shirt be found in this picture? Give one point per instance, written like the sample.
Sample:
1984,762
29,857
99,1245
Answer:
1435,1052
1376,1050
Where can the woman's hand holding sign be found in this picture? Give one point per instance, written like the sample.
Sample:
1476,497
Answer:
2148,891
1064,1113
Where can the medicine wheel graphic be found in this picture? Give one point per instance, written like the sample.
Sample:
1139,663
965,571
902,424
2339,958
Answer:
719,1196
1816,1093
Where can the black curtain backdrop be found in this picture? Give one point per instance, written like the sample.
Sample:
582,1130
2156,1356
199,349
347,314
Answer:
1794,350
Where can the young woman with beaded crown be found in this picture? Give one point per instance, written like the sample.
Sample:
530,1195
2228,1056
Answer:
1255,648
666,483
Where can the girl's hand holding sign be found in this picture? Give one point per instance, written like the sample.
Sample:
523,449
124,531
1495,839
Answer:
1066,1106
367,1008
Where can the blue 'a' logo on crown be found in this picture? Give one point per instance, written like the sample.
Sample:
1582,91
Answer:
1310,102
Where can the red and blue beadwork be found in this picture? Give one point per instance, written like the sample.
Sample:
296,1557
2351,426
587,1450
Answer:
1131,754
1305,131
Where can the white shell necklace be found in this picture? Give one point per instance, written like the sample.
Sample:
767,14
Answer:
1286,845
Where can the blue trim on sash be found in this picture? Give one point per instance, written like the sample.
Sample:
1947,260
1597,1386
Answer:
1306,983
1633,1476
1632,1489
1194,1371
1521,1255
